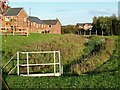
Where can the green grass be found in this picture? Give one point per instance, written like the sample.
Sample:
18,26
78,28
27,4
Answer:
16,42
12,44
70,46
83,81
106,76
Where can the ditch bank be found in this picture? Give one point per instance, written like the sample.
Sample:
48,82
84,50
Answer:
98,52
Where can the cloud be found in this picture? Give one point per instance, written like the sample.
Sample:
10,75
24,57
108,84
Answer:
102,12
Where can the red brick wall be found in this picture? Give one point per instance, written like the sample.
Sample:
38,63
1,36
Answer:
36,28
3,21
19,22
54,29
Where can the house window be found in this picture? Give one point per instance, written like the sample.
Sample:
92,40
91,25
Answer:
42,25
37,25
50,26
12,17
7,18
25,20
12,27
34,23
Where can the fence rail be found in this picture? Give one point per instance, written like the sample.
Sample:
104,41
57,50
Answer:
55,73
18,65
9,31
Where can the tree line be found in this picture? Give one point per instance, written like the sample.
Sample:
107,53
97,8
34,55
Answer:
102,25
109,25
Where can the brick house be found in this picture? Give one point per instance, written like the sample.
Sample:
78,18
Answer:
35,24
52,26
85,26
15,19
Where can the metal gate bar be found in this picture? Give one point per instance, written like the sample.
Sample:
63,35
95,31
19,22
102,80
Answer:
28,65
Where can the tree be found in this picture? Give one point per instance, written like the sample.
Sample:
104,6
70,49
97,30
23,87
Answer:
109,25
70,29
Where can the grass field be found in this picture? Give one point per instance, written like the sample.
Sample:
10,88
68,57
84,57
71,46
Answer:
106,75
70,46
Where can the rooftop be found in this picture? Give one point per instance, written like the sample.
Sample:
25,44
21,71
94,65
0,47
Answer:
35,19
13,11
50,22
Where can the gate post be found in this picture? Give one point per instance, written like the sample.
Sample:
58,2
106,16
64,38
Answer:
27,64
59,63
18,63
54,64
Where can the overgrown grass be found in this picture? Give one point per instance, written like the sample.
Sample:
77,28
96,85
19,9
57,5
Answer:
12,44
70,46
112,65
98,51
106,76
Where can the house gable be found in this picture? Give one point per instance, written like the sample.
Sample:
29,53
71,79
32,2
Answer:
53,26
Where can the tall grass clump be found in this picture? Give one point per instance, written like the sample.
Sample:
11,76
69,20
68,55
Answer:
97,52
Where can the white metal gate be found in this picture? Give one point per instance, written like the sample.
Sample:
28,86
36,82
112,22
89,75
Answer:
45,74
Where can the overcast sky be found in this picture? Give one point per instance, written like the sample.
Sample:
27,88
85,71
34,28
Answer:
69,12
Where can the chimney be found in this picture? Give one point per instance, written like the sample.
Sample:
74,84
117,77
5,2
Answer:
57,19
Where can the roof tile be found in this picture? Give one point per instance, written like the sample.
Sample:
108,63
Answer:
13,11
